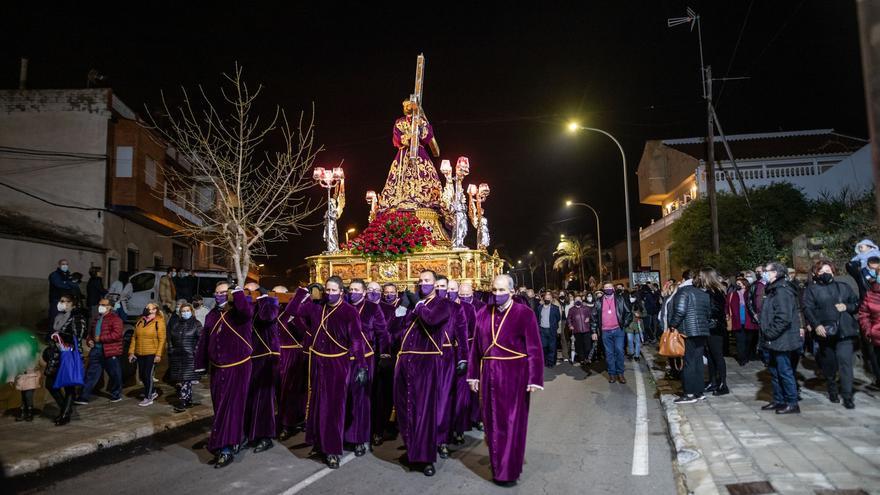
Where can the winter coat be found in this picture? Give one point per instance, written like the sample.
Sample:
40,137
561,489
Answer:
756,300
94,291
74,328
555,316
183,335
718,313
733,312
819,307
167,293
148,337
185,287
691,311
579,318
624,312
112,331
780,321
869,315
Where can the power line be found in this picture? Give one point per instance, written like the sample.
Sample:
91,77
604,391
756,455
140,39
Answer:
59,205
742,29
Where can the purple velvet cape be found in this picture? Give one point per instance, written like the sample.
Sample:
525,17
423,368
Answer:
293,363
259,420
376,338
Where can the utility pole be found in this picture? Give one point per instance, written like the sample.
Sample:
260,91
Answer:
710,160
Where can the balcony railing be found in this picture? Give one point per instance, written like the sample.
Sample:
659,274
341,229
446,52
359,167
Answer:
765,173
181,212
659,225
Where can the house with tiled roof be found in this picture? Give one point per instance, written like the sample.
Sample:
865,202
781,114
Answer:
672,173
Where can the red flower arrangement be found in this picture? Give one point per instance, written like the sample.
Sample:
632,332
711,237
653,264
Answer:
391,235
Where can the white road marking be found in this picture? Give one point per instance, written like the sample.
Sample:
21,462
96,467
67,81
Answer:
317,476
640,443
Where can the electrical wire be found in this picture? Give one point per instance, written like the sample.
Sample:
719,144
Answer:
59,205
735,49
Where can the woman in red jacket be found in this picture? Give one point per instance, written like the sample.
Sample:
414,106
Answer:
741,322
105,335
869,320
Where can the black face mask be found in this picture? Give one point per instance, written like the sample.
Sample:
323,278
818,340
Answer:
824,278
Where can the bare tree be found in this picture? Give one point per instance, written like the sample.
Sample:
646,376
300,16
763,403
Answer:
241,195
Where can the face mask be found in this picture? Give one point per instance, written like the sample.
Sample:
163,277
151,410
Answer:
501,299
102,309
390,298
578,303
373,297
333,298
632,299
186,315
426,289
452,295
546,302
751,280
765,277
608,292
589,300
825,278
355,297
117,306
221,298
441,293
467,299
872,273
61,307
65,268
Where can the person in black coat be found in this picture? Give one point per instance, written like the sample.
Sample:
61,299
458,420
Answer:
829,307
717,333
183,336
780,337
68,328
691,311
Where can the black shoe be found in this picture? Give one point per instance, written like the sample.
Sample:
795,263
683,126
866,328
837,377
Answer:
505,484
360,450
238,448
284,435
377,440
263,445
429,469
458,438
849,404
223,460
686,399
333,461
29,414
834,398
710,387
789,410
443,451
722,390
479,426
21,415
772,407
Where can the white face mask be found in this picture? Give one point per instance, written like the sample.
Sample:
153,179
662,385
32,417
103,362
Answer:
61,307
102,309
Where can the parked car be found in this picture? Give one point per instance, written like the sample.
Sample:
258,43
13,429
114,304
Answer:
145,288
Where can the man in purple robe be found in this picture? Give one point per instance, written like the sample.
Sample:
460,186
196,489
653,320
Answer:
335,344
472,306
416,373
225,346
461,396
506,366
293,367
358,418
259,420
382,402
450,364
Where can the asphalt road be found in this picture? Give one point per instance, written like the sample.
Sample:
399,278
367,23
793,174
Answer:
582,435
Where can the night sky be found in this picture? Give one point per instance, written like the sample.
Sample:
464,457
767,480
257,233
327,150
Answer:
500,83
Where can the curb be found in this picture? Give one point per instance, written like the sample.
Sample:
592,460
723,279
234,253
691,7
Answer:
67,453
692,474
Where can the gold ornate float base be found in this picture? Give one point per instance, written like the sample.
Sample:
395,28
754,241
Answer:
476,266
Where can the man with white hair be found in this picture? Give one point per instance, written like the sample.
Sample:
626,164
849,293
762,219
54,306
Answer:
506,366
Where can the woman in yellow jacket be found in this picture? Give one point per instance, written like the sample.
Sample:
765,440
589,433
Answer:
147,345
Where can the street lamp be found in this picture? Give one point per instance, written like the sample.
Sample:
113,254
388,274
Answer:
347,232
598,233
574,127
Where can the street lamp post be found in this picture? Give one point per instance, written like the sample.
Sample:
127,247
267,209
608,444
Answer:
574,127
598,235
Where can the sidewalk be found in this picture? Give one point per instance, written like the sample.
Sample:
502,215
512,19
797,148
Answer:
728,445
29,447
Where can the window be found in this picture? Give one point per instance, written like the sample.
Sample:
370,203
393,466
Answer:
218,257
655,261
157,261
143,281
179,256
205,198
131,260
150,170
123,161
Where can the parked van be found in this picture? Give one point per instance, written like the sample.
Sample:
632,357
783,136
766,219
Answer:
145,288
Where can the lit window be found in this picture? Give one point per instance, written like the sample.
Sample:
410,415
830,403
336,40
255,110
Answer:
123,161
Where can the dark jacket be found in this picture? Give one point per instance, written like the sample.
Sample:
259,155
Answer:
718,313
780,322
183,335
819,302
691,311
185,287
74,328
111,334
624,313
555,316
755,300
94,291
60,284
651,300
579,318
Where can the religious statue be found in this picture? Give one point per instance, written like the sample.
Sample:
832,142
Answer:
372,200
476,197
454,199
335,205
412,180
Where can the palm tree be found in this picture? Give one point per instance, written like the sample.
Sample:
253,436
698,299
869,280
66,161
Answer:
572,253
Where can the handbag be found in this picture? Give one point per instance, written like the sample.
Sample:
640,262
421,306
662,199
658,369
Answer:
70,368
672,343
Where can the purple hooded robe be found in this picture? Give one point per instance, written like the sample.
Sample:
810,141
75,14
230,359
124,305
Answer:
376,339
259,418
293,363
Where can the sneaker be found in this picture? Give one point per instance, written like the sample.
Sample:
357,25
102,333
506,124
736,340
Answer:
145,403
154,396
116,399
81,402
686,399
